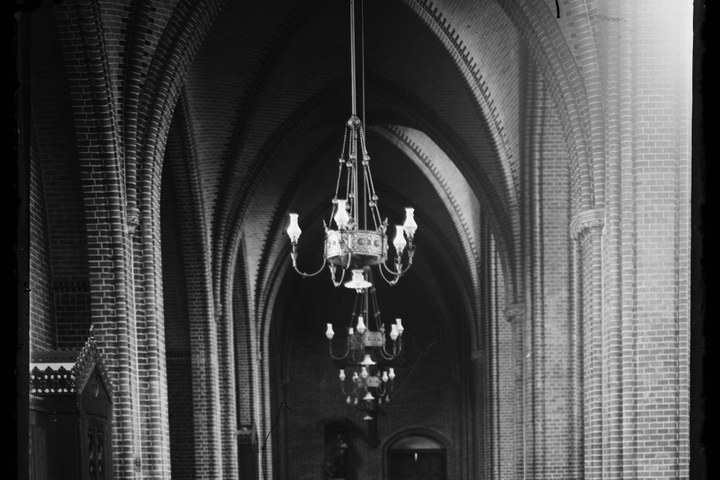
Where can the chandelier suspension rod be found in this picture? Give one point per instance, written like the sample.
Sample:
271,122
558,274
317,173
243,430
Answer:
352,56
355,125
362,61
363,150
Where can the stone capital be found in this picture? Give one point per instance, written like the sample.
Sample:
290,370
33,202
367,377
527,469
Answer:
219,311
133,221
587,222
514,310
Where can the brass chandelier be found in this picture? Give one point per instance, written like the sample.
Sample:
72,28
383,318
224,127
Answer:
366,356
359,237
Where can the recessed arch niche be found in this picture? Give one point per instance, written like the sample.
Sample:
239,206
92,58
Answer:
416,454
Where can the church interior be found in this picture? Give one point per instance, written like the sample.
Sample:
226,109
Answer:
218,200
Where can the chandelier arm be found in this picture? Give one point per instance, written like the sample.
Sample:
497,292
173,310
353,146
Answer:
344,355
337,283
303,274
294,255
382,389
385,355
390,356
399,272
351,392
404,270
410,254
383,265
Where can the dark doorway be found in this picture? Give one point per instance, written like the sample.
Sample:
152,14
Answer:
418,465
416,457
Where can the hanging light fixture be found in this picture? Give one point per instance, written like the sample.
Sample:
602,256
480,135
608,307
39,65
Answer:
359,237
368,352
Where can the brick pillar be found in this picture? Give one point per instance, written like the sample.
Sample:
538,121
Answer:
585,230
206,402
638,400
544,319
482,418
152,372
513,434
108,244
228,397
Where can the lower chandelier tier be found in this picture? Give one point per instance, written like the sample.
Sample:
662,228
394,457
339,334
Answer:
365,362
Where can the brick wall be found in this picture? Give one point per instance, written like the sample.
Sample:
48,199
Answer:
57,210
42,329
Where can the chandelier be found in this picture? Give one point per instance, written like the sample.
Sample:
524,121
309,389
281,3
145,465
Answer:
355,235
365,359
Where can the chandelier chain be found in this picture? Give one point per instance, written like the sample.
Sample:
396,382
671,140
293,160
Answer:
341,161
376,307
347,185
370,193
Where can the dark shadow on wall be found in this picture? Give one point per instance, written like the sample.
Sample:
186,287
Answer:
341,460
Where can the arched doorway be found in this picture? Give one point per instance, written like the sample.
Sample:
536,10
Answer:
415,456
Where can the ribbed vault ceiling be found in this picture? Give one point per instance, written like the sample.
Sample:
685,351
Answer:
264,104
268,95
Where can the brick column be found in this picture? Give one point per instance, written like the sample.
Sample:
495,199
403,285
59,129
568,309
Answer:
228,398
109,247
481,413
586,229
638,406
514,314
